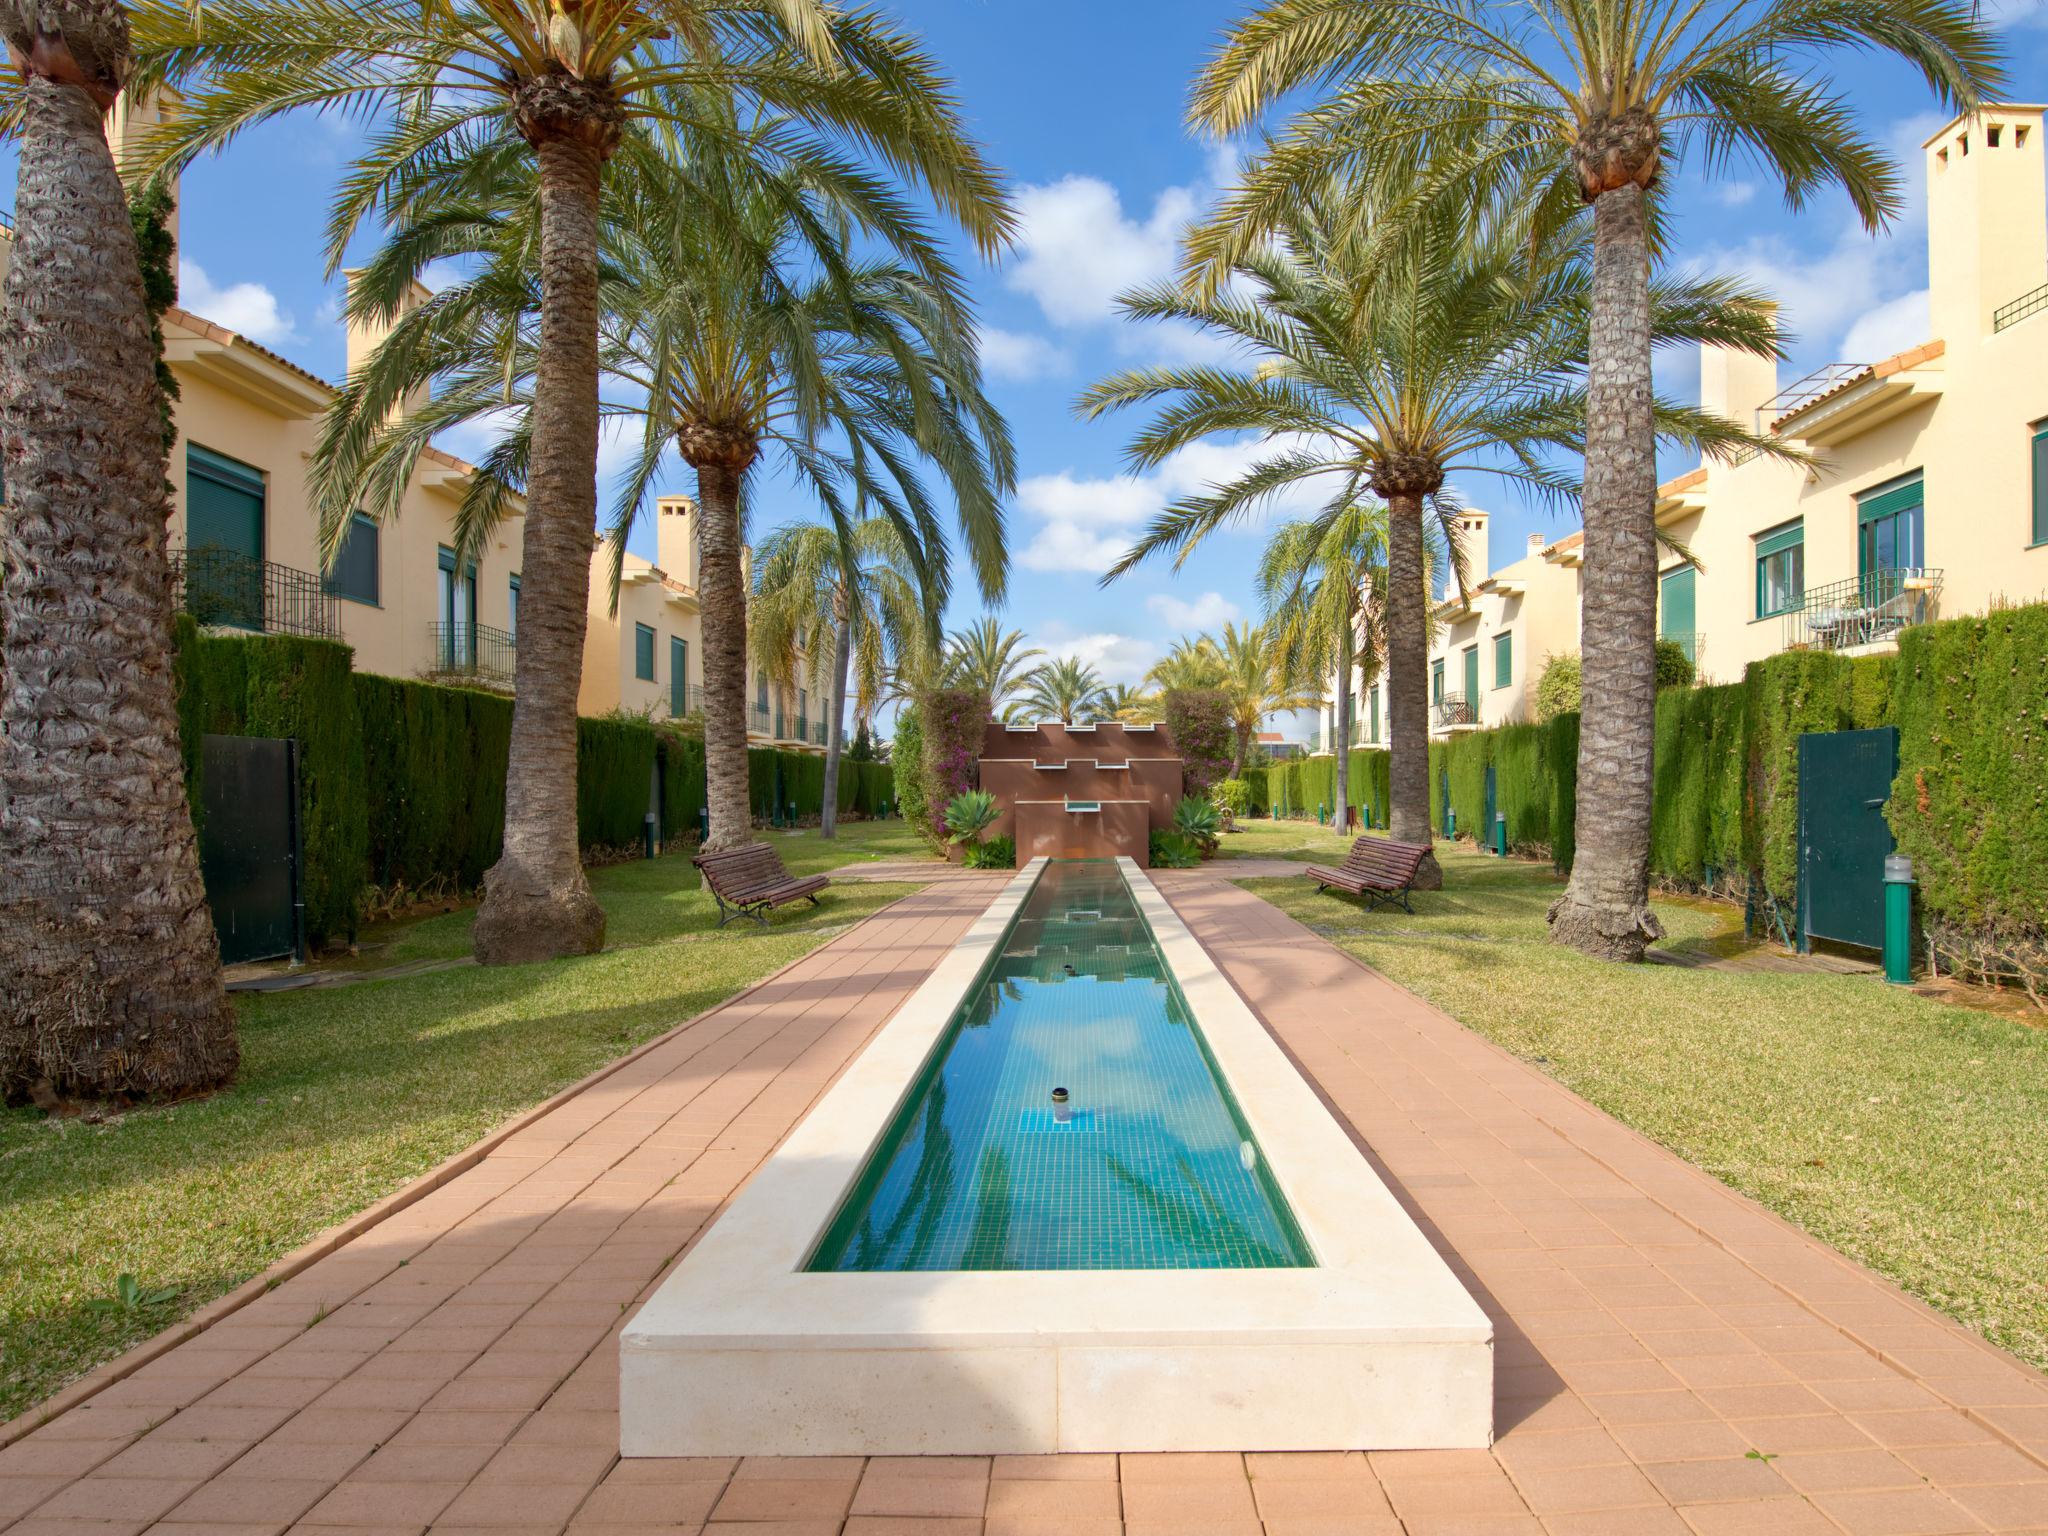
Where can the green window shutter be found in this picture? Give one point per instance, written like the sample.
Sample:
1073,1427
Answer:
1894,496
1781,538
643,653
354,573
1504,660
1679,607
1375,714
678,675
223,504
1436,680
2041,484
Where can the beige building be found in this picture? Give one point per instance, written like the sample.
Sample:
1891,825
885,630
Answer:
1924,494
244,537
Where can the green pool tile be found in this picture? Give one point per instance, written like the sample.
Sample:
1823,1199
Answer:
1154,1169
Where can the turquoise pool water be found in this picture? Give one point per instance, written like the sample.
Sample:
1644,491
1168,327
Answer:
1148,1165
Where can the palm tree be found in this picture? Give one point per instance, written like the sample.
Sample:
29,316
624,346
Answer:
1067,689
1133,706
854,598
1256,688
111,980
736,326
988,659
1468,356
1545,108
1191,664
452,85
1322,587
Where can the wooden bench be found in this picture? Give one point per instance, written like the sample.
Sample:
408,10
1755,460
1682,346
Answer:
1377,869
747,881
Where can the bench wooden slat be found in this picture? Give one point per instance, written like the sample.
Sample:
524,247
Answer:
747,881
1376,868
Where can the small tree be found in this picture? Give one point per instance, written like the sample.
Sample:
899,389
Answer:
1674,667
1557,690
1198,719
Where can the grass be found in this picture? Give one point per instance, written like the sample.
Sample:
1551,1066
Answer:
1302,841
345,1094
1905,1132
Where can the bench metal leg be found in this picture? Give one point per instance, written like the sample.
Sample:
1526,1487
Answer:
727,911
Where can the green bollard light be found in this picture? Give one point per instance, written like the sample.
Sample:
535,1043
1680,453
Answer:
1500,833
1898,919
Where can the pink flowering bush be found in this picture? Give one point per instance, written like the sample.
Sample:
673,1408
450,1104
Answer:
1198,719
954,721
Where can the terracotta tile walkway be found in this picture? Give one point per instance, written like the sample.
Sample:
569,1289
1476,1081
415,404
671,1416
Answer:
454,1368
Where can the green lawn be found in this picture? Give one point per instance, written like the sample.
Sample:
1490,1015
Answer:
1303,841
348,1092
1905,1132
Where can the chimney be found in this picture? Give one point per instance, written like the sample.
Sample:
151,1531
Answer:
128,128
1734,385
676,549
1472,538
1987,218
1536,543
367,334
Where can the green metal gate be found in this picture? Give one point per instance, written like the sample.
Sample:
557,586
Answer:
1484,835
249,845
1845,778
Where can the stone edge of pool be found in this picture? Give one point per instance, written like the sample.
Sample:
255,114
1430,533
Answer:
743,1352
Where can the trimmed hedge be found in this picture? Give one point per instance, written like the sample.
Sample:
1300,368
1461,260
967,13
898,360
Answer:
614,780
265,685
434,761
906,771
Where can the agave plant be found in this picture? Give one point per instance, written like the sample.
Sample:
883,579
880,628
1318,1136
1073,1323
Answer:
1199,819
970,814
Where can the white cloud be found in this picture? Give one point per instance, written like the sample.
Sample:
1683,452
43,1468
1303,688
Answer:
1118,658
249,308
1078,250
1020,355
1734,194
1212,610
1889,329
1088,522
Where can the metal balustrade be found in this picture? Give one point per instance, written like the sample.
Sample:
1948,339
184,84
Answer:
232,590
1453,709
1864,610
473,652
2019,309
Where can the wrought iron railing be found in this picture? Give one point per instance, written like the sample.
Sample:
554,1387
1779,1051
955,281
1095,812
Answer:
762,721
1864,610
692,701
222,587
1454,709
473,651
1803,392
6,221
820,729
1692,642
2020,308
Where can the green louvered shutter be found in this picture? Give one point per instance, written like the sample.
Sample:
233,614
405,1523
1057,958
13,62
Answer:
2041,483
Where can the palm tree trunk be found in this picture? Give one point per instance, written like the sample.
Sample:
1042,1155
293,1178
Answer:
835,724
1243,737
537,904
1407,672
1605,909
724,595
109,969
1344,716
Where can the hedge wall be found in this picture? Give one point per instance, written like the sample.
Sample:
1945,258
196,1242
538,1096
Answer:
262,685
434,761
906,768
614,777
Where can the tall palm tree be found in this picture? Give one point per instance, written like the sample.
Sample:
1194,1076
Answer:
989,659
449,84
1547,107
111,980
853,597
1460,354
1255,687
1322,588
1192,663
737,326
1132,705
1067,689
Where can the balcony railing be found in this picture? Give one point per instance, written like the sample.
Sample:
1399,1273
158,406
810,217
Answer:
2020,308
1692,642
1864,610
1803,392
222,587
1453,709
475,652
692,702
762,721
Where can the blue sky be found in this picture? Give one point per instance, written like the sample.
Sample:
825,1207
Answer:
1081,101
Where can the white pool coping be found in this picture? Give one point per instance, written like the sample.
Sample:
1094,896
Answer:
742,1352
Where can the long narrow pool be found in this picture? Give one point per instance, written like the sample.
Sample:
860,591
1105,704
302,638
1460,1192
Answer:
1145,1161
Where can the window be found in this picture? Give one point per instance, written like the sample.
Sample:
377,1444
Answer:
678,675
1677,616
1375,697
2041,482
1436,681
458,609
643,653
1472,677
512,609
223,539
1889,527
761,693
353,574
1504,660
1780,569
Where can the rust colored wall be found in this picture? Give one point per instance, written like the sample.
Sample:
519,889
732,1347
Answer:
1154,783
1046,828
1108,742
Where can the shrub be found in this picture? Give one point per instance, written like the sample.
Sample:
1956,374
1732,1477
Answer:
1199,821
953,720
969,814
1198,720
614,766
1173,850
1232,795
863,748
906,772
996,853
1557,690
1258,783
434,779
1674,667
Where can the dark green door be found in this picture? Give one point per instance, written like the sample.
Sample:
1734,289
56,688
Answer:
223,539
248,844
1845,778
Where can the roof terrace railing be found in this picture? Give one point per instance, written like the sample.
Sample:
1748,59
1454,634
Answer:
1803,392
2027,304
